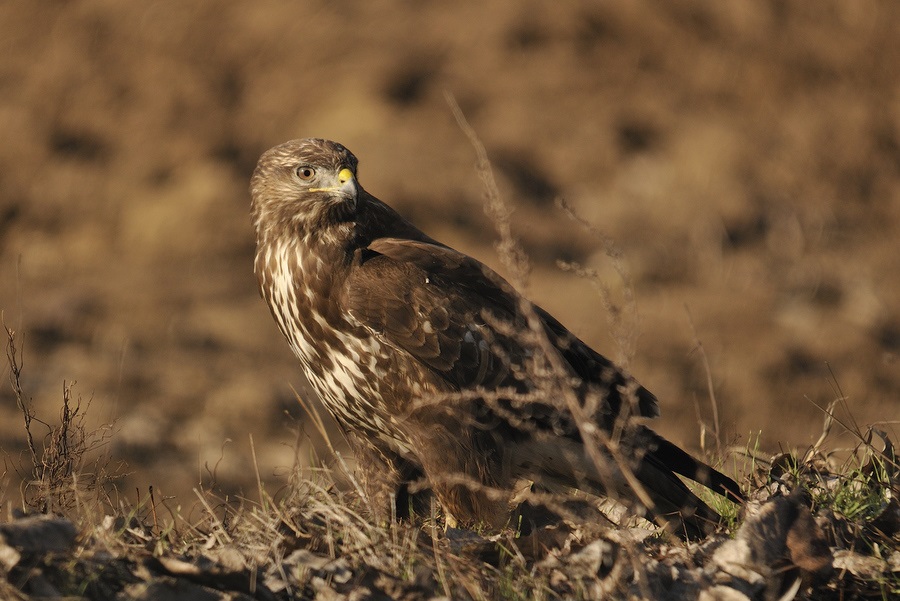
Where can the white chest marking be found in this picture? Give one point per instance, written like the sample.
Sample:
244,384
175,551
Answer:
350,387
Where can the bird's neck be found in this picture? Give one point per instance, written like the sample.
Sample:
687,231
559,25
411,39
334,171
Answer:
318,258
322,239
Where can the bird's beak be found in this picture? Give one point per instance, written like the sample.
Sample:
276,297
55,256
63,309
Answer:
346,188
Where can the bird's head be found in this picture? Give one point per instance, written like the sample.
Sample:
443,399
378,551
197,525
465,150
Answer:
304,185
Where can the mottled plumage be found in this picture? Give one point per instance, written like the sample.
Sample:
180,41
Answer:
433,364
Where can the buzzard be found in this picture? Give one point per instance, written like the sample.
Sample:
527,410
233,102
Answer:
438,370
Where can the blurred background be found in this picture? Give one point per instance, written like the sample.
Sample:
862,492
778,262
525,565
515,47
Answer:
744,157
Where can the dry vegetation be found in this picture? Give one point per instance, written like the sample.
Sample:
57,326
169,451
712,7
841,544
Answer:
814,528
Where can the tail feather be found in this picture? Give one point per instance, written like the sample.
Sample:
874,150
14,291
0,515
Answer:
680,462
673,501
564,462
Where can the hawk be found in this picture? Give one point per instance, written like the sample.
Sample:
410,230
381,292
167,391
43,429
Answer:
438,370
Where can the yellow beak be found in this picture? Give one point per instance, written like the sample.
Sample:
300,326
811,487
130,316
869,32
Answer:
344,176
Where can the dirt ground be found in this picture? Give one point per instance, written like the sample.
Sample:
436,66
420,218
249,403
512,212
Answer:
744,157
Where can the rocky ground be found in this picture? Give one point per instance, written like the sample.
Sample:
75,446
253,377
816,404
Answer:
806,532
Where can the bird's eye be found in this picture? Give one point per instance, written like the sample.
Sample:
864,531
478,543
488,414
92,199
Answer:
305,172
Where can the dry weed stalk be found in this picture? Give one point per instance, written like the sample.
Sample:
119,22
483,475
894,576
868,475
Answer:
15,380
554,381
61,473
624,331
717,432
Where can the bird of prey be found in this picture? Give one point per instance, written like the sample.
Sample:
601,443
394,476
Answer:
438,370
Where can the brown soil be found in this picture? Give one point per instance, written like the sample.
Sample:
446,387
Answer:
745,158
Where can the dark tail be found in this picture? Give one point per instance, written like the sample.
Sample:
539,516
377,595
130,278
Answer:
673,501
682,463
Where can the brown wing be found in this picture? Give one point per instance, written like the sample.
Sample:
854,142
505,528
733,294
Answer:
431,302
447,309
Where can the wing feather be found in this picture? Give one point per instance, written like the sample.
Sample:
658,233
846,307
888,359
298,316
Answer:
412,295
442,307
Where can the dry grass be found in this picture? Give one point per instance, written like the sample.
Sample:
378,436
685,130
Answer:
830,528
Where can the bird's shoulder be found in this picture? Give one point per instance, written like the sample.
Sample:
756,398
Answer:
423,297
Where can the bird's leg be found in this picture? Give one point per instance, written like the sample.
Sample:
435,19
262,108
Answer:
389,482
465,474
